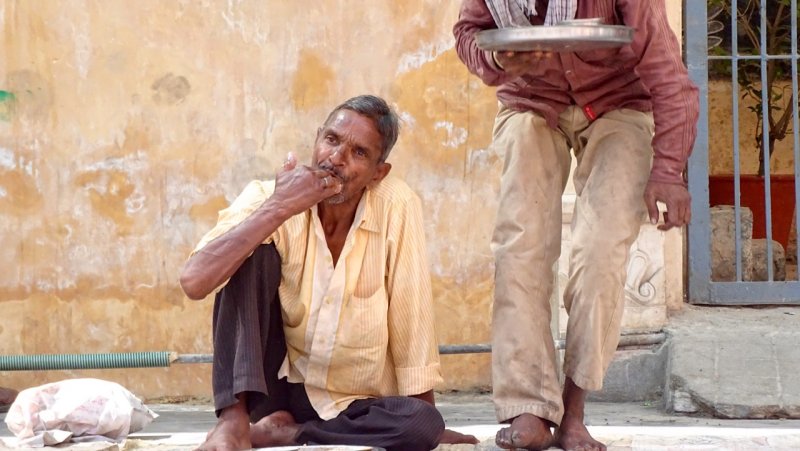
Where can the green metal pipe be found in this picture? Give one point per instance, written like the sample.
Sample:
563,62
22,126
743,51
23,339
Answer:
85,361
165,359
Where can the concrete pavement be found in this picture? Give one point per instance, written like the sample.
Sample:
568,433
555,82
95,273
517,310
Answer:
626,426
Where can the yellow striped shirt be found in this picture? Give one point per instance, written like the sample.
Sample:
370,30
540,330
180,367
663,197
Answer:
373,338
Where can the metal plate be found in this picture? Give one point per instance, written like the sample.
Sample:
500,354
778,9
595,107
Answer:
572,36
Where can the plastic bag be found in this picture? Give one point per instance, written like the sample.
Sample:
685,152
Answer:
76,409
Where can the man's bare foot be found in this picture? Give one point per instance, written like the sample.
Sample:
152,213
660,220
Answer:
455,438
7,395
275,429
232,432
527,431
572,434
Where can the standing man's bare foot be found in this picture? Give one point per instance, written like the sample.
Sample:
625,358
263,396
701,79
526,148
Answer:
527,431
275,429
572,434
232,432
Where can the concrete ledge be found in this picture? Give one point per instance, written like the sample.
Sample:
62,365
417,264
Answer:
635,375
734,362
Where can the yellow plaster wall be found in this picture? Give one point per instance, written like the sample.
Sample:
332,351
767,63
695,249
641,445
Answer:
720,134
132,123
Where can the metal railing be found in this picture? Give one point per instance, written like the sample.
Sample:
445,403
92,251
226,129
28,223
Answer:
702,289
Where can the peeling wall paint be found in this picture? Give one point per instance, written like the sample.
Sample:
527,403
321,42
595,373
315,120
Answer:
125,127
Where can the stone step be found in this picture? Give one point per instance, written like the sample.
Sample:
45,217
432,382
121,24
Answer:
734,362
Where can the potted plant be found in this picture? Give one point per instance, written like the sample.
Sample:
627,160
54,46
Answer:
780,103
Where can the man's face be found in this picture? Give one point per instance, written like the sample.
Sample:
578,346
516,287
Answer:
349,148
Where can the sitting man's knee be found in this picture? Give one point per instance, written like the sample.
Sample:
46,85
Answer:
425,424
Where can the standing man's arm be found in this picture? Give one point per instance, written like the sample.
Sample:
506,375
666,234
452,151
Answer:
474,17
296,190
675,107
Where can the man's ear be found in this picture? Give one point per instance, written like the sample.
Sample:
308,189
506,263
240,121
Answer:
380,173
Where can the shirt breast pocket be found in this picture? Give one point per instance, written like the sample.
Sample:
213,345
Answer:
365,321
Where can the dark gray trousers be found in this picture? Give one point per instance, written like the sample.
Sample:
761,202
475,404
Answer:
249,348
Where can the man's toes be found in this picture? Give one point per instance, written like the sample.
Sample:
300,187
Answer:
503,438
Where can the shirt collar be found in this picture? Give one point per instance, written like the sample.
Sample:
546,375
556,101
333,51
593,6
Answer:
365,216
369,221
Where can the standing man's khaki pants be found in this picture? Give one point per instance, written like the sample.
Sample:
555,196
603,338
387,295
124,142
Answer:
614,154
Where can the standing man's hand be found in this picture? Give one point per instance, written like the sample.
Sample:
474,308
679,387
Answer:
298,188
678,202
518,63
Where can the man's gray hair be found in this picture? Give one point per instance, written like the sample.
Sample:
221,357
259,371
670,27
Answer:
380,112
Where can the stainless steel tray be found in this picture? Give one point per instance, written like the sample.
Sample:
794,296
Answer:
571,36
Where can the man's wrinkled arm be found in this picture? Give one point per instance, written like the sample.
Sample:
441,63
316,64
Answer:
474,17
242,227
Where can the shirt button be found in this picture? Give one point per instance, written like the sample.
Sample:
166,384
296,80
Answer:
327,299
568,73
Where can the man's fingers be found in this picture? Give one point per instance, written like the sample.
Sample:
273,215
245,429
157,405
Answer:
290,162
519,62
683,213
677,200
676,216
330,183
652,208
668,222
335,185
687,212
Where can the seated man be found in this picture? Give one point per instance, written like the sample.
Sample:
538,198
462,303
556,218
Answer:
323,332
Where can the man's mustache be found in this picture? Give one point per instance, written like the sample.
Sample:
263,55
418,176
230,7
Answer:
326,166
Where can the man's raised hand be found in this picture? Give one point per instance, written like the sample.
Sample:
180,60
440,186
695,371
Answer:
299,187
519,63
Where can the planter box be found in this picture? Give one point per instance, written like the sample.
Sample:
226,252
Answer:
782,193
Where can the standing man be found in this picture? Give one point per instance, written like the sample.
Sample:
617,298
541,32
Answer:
629,115
323,322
